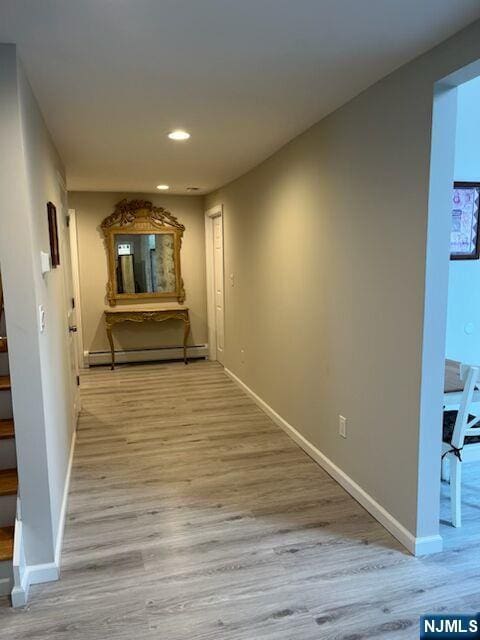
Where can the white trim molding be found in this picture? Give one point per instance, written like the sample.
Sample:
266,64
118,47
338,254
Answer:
32,574
76,285
93,358
210,214
25,575
63,511
416,546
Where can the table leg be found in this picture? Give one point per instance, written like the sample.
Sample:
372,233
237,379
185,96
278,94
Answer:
186,333
112,348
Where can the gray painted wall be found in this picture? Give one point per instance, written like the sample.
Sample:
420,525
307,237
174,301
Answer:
30,170
327,241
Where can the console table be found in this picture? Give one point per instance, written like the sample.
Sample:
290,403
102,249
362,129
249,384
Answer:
147,313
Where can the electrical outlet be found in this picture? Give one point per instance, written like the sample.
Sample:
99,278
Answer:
342,426
242,356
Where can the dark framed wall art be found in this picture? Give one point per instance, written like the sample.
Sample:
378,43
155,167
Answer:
464,239
53,233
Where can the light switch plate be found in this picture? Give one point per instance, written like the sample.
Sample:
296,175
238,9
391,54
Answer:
342,426
45,262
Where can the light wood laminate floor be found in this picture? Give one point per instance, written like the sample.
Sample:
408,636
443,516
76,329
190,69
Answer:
193,517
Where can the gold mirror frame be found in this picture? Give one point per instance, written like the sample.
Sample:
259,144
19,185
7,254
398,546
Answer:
141,216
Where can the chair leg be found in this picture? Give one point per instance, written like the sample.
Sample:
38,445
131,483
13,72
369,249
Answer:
456,490
445,469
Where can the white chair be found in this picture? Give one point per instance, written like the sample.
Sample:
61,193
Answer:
461,441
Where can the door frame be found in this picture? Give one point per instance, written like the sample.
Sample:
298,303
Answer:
72,218
437,263
210,215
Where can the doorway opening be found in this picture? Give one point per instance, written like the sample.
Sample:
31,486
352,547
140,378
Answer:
214,252
67,242
451,345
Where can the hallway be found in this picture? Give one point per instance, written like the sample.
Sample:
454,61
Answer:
192,516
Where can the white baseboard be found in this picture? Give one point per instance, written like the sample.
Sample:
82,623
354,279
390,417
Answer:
33,574
93,358
26,575
426,545
63,510
416,546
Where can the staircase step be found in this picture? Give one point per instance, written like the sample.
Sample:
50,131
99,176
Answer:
5,383
8,482
6,429
6,543
3,345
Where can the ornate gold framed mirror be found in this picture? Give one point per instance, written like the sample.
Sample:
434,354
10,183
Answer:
143,250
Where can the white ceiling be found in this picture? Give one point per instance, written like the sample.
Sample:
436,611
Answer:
243,76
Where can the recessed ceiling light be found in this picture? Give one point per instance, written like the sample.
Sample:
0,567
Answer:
163,187
179,134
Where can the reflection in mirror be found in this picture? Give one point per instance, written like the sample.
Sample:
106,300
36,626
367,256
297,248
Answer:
145,263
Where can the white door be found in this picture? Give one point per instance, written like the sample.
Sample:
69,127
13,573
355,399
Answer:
71,319
218,279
